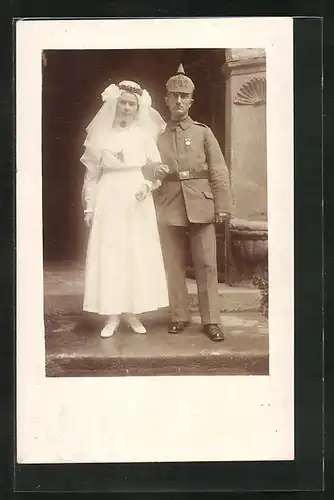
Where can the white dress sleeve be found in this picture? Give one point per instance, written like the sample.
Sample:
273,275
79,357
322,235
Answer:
92,161
152,156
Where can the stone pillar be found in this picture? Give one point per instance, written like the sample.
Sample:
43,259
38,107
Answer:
246,156
245,131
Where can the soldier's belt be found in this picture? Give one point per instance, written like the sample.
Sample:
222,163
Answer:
186,174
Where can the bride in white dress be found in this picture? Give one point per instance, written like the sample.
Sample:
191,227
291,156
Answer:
124,266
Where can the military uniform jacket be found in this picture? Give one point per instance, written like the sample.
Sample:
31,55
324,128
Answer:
190,146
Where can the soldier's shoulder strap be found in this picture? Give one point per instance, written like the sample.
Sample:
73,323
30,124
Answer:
201,124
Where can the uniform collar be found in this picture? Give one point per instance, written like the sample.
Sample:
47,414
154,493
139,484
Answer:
183,123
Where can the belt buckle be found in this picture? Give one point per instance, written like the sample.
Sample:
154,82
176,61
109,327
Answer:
184,175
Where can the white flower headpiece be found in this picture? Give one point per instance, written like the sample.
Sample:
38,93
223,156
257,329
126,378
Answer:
113,92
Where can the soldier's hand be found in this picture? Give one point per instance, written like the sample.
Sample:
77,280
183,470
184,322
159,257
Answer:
221,217
160,172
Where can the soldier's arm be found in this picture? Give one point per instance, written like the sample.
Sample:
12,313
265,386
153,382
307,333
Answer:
219,175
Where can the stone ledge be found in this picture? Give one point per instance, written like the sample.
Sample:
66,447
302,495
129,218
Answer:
248,225
76,366
244,66
244,53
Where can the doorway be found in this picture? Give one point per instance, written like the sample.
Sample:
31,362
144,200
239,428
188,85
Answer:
73,81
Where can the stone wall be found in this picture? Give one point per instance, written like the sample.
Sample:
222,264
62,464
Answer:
245,130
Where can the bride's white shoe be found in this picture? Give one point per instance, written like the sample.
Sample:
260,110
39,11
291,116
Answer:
110,326
135,323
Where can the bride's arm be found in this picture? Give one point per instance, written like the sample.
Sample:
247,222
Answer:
153,160
91,160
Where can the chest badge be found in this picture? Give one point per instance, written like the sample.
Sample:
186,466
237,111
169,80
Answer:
187,142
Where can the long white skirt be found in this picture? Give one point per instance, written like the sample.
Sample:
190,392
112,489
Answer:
124,265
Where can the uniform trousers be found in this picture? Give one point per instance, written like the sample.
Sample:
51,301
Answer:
203,250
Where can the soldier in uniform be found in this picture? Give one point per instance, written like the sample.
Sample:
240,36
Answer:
193,196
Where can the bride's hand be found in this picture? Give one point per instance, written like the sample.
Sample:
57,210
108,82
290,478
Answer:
142,192
89,219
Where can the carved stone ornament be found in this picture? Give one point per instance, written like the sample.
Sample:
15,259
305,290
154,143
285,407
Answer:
253,92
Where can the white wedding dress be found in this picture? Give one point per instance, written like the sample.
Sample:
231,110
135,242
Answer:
124,265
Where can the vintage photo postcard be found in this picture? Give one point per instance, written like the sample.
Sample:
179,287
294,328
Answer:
154,240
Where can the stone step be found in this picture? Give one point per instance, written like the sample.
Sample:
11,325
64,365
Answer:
63,291
74,347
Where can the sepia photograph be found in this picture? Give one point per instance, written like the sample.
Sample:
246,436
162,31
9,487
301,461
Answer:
154,169
155,289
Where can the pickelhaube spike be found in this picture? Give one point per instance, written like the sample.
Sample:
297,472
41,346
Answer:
180,70
180,82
